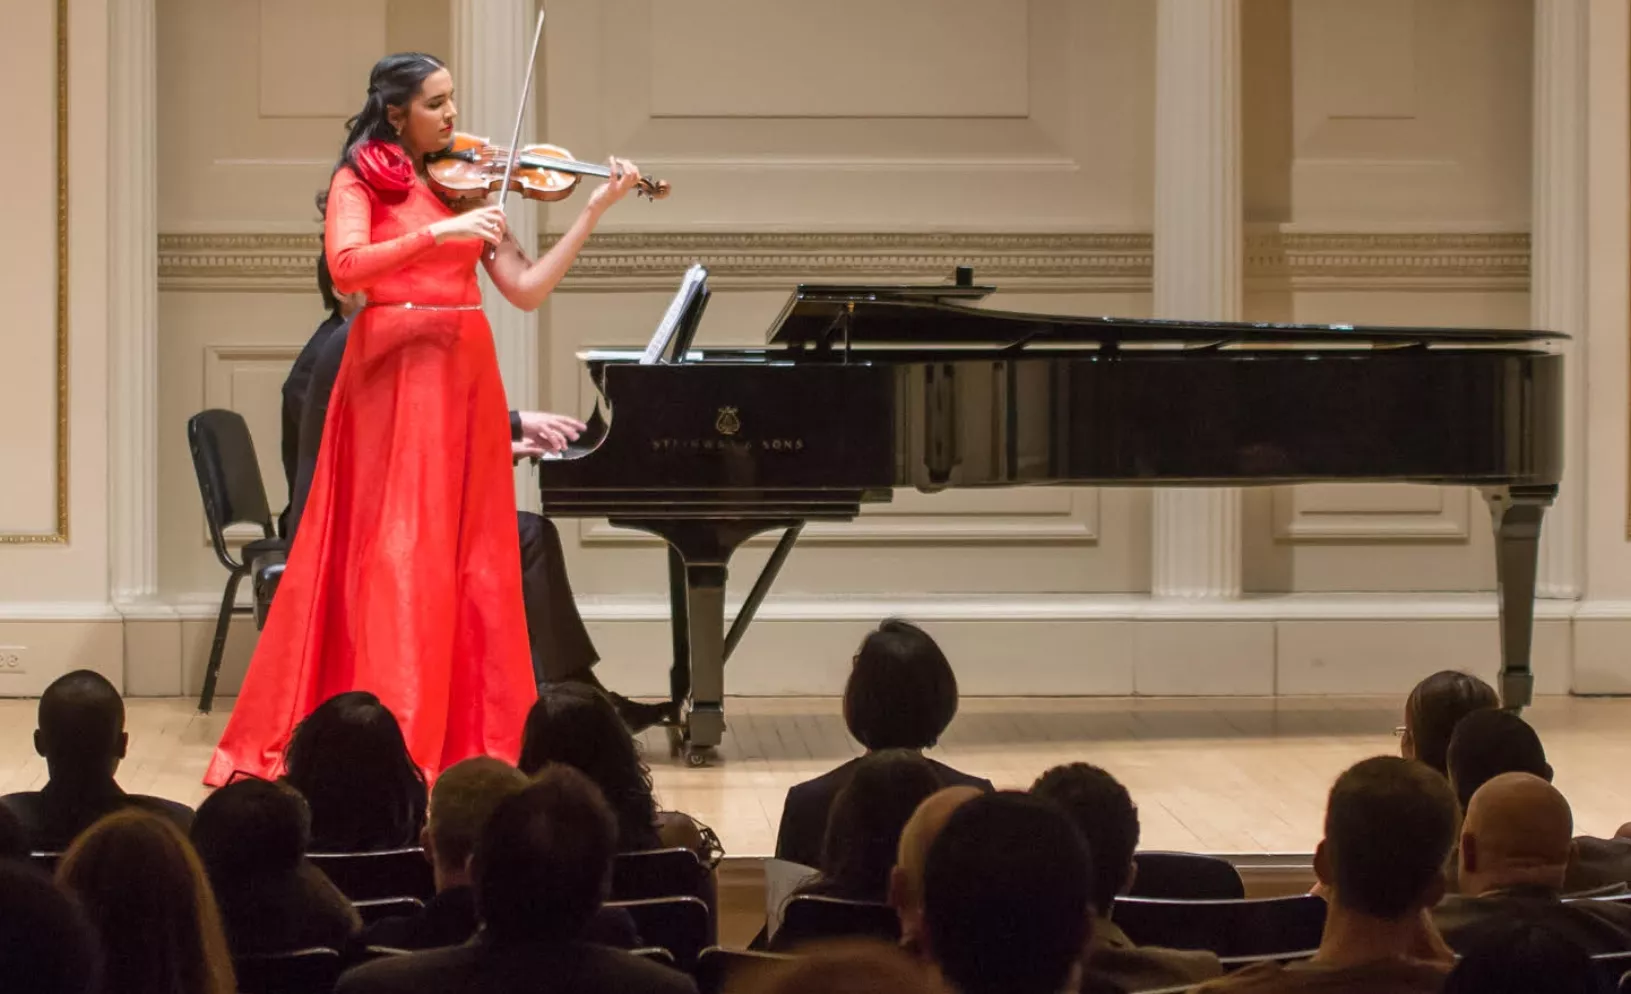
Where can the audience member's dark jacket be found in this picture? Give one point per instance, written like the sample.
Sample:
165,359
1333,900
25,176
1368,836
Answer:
450,919
1598,864
1112,956
52,816
804,815
274,913
501,968
1596,926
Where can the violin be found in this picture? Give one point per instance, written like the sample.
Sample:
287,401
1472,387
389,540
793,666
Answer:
471,168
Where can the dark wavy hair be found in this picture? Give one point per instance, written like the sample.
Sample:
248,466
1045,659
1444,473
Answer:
350,762
577,726
392,83
867,818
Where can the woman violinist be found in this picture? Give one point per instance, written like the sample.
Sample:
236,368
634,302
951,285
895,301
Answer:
405,575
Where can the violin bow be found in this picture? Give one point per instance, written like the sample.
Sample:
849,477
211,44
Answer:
520,115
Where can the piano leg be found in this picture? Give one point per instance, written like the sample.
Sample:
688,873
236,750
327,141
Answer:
679,614
1516,514
699,557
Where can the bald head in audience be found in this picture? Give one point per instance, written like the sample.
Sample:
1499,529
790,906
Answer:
1518,830
906,879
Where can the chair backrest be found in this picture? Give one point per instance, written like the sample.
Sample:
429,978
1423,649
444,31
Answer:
380,908
811,917
1252,927
657,954
726,971
301,971
371,876
637,876
229,476
680,925
45,861
1612,967
1186,876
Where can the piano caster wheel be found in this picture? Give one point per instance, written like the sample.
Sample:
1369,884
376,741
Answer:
699,756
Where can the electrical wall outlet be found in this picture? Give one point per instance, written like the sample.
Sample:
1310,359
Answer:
11,659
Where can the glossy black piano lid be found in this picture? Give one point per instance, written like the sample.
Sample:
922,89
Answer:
930,314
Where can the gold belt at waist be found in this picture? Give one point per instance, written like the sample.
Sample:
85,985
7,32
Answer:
411,306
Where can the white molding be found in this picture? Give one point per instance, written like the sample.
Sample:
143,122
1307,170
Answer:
1199,260
133,343
1558,294
1287,257
949,607
1296,519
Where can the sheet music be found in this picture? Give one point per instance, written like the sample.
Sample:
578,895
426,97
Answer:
671,319
782,878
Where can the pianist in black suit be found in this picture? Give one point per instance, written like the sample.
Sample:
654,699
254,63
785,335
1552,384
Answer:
901,694
341,306
561,647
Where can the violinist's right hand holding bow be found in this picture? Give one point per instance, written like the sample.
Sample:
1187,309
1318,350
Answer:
485,223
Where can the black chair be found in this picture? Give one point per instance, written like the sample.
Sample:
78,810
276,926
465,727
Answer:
637,876
811,918
229,481
302,971
380,908
1612,968
726,971
1267,926
1186,876
386,873
680,925
45,861
656,954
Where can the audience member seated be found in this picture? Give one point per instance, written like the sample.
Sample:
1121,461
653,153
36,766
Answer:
542,867
906,879
1389,826
349,760
1433,709
460,804
82,737
863,833
1489,743
1515,844
577,725
1104,812
850,966
901,694
1007,898
45,936
13,840
1519,955
143,889
252,836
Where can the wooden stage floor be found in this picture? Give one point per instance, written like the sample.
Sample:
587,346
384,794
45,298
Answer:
1226,775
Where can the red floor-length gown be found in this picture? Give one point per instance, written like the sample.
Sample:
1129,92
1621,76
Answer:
405,576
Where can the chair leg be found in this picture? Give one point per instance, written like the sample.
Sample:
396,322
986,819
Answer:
223,622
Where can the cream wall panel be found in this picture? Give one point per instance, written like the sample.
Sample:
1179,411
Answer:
1371,511
1058,136
253,97
228,350
916,58
75,572
28,281
1410,111
313,53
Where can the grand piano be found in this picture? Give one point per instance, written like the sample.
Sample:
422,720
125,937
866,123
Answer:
865,388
